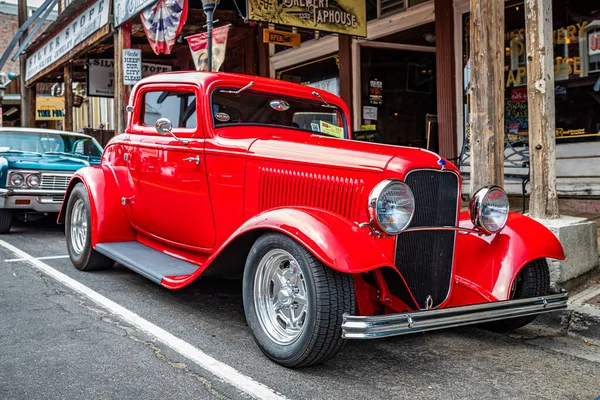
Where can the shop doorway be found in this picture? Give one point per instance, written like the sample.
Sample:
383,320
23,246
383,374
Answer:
398,101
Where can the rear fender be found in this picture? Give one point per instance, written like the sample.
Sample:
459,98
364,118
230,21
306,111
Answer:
108,220
488,265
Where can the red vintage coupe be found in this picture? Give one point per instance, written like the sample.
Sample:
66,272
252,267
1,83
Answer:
232,175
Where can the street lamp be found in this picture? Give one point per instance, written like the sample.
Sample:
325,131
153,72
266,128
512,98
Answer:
5,80
209,7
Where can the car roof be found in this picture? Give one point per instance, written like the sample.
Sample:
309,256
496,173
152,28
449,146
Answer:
42,130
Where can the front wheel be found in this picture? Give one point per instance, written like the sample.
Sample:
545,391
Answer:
78,232
5,221
532,281
293,303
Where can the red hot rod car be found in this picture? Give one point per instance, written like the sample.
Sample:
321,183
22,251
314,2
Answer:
223,174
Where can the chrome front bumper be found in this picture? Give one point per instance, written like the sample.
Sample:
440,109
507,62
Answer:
380,326
43,201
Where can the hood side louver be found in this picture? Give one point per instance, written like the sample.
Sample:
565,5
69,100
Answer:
338,194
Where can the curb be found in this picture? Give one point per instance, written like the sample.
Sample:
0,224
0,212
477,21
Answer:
579,318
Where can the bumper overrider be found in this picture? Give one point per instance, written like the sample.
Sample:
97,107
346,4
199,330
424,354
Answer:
40,200
380,326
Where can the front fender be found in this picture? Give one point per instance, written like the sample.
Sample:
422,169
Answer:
109,222
488,265
334,240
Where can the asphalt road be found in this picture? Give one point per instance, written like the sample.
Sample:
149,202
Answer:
57,343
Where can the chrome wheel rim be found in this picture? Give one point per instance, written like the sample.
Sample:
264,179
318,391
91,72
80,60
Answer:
280,297
79,227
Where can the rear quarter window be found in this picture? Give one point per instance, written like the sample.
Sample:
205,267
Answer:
178,107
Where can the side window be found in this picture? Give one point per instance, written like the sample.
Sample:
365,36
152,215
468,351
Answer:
178,107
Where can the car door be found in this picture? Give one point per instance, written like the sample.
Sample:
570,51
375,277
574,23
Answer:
172,202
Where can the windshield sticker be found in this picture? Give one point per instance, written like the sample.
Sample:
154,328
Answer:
314,127
223,117
279,105
331,129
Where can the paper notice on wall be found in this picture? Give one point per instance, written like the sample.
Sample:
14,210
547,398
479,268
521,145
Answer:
132,66
370,113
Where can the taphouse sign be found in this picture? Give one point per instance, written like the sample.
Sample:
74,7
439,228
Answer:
341,16
82,27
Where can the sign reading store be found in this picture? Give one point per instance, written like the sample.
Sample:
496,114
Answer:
339,16
82,27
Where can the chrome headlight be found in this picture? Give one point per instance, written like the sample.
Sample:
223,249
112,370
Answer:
489,209
16,180
391,206
33,180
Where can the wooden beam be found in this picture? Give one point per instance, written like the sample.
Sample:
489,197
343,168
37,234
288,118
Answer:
31,104
487,93
543,202
446,79
25,93
345,67
122,40
68,124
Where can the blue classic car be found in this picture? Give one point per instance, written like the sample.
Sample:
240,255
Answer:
36,166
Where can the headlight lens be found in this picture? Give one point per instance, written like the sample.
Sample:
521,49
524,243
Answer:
16,180
489,209
33,180
391,206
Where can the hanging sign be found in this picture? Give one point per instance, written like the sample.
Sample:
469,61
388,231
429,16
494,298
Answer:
132,66
126,9
375,92
342,16
101,73
82,27
198,47
281,37
48,108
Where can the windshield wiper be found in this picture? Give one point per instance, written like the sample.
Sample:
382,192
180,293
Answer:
21,152
238,91
317,94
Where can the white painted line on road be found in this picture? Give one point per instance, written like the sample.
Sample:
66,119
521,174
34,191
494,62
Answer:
223,371
38,258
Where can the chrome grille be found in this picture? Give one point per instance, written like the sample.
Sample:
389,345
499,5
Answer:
425,258
55,181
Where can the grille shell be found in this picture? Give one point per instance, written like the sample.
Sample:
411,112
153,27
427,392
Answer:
426,258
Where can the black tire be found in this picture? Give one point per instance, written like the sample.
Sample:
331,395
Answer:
5,221
88,259
532,281
330,294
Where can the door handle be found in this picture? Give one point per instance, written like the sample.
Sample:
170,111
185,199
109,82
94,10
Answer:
193,159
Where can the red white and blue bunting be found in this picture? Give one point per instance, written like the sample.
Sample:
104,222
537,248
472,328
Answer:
162,23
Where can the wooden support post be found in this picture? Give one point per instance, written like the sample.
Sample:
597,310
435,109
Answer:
543,202
345,67
31,105
68,79
25,93
446,78
263,55
487,93
122,40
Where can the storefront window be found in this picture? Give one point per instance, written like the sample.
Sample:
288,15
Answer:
576,38
322,73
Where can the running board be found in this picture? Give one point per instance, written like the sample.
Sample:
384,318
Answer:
146,261
379,326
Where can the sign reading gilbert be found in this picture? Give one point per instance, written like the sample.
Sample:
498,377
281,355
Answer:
341,16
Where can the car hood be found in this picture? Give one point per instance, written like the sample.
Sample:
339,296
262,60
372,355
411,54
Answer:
47,162
307,148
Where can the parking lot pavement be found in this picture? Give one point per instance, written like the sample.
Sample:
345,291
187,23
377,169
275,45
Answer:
56,343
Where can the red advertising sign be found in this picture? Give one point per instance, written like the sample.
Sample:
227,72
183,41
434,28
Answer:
519,95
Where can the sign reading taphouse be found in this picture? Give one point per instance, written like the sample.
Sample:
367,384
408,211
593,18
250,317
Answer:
341,16
83,26
124,10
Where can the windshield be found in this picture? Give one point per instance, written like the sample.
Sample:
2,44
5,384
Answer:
48,143
255,108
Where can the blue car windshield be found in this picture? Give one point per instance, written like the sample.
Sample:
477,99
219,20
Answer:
48,143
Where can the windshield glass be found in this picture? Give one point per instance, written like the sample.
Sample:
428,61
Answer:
48,143
254,108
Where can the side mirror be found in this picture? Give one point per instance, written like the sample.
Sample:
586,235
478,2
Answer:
164,126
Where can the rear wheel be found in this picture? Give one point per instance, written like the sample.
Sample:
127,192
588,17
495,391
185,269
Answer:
532,281
5,221
79,235
293,303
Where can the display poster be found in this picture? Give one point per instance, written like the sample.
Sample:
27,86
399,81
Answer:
375,92
348,17
132,66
